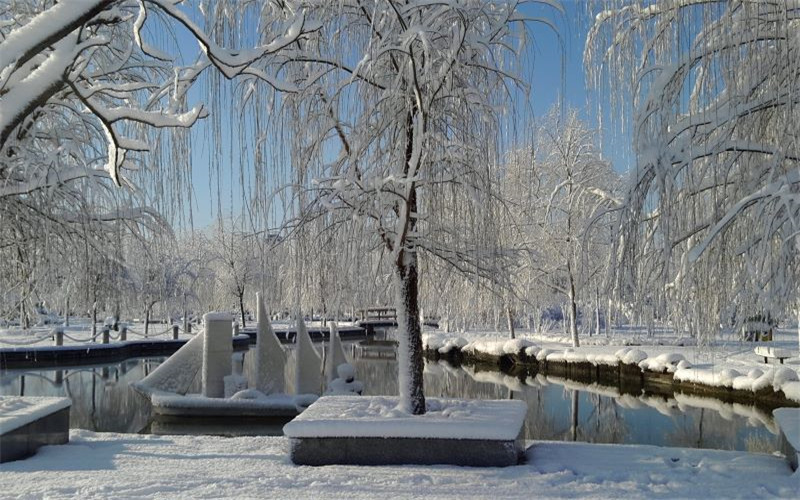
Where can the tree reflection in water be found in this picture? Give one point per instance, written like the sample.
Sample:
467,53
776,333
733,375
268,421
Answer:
558,409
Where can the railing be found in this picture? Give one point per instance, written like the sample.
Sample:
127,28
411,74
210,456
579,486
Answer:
58,334
377,313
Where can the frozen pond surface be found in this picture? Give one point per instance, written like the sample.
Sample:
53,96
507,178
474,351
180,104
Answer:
557,409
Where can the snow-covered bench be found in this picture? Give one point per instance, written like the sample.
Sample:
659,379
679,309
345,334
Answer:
773,352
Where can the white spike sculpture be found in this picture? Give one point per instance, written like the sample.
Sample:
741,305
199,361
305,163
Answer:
335,356
270,358
217,351
177,373
308,376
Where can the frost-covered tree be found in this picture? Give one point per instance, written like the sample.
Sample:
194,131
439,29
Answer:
158,271
713,206
234,255
86,86
559,191
404,110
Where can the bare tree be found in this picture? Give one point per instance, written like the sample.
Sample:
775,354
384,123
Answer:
560,191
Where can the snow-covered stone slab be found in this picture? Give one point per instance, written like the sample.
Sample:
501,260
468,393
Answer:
26,423
788,420
374,431
276,405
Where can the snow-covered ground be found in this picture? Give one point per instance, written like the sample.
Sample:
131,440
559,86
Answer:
725,363
130,466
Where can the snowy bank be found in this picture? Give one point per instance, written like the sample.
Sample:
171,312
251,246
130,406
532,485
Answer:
738,371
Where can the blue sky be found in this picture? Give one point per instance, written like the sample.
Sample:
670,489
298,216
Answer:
557,77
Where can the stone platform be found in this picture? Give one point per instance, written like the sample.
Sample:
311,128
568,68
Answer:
28,423
361,430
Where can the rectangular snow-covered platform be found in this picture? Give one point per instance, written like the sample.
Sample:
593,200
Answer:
364,430
195,405
27,423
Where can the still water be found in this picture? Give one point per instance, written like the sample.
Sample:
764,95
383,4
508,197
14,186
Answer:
558,409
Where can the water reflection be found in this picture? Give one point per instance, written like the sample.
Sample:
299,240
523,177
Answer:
558,409
102,399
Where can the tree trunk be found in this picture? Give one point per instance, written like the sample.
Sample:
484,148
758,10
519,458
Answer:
146,320
510,317
241,308
573,313
410,360
66,313
574,416
94,320
185,316
23,318
597,310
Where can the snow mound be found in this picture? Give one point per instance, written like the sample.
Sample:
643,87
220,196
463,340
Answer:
779,379
485,346
664,362
631,356
450,344
515,346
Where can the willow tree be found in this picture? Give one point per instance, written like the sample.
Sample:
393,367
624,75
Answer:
402,107
86,86
713,206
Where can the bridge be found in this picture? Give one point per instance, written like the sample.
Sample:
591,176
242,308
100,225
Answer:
383,317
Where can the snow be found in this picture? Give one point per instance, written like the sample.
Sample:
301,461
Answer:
270,356
772,352
249,399
345,383
18,411
177,372
516,346
217,316
335,356
442,343
668,362
308,369
378,416
106,465
725,364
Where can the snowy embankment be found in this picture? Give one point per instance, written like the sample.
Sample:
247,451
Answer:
142,466
729,366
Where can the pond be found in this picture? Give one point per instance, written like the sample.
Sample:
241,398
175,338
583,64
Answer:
558,409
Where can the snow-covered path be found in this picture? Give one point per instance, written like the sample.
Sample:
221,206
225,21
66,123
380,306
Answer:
130,465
